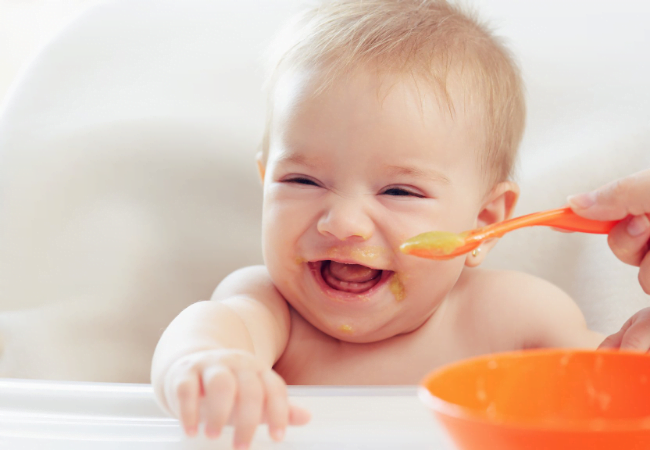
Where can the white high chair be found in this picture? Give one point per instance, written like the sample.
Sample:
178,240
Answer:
129,189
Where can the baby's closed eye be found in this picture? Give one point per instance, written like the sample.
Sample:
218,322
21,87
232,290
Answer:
400,191
301,180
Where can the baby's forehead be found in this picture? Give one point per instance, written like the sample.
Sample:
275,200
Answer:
389,110
308,108
451,92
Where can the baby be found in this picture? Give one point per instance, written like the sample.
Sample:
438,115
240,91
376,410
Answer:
387,119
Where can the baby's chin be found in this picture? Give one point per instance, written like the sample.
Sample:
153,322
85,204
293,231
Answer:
356,335
358,331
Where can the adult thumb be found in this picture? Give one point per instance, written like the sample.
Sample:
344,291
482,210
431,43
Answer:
615,200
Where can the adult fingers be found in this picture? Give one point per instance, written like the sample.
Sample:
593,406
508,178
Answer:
615,200
277,404
644,273
248,413
629,239
220,386
614,341
637,337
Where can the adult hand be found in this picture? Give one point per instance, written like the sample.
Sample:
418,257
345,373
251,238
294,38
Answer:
628,199
633,335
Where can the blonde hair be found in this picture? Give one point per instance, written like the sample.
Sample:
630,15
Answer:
426,39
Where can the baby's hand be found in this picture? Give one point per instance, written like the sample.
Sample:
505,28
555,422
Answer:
633,335
217,387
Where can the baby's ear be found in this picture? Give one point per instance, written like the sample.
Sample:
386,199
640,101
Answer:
261,168
498,205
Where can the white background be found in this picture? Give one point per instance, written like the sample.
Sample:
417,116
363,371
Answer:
25,25
586,44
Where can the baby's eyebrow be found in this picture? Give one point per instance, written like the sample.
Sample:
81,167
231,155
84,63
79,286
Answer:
432,175
297,158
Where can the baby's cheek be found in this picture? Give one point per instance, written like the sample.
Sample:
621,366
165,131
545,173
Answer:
277,227
278,256
427,282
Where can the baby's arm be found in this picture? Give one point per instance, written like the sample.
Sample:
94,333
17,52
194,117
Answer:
214,361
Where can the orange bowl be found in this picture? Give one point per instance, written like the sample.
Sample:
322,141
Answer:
544,399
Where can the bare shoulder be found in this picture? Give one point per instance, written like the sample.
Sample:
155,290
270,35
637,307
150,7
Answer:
525,311
251,293
249,280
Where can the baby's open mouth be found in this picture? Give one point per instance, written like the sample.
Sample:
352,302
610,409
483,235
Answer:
352,278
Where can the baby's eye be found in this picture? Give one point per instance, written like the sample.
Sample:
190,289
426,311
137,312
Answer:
301,180
401,192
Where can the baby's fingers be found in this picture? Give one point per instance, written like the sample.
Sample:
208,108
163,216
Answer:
298,415
248,413
186,392
220,386
277,405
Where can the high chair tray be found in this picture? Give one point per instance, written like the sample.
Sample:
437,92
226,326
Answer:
57,415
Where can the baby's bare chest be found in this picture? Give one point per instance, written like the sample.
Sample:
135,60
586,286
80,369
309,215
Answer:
312,358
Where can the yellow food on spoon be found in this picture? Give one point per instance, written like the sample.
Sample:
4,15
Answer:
434,244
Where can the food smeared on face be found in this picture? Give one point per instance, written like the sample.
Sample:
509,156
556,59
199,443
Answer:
346,329
300,260
397,288
368,253
363,255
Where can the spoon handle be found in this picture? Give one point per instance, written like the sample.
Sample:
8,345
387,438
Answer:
563,218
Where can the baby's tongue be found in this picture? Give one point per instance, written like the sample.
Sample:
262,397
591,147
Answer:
353,278
352,272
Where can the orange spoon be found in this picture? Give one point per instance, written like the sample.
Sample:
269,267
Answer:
446,245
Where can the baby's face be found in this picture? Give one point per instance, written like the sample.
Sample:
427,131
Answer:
352,173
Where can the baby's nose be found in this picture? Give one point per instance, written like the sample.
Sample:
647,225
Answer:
345,219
